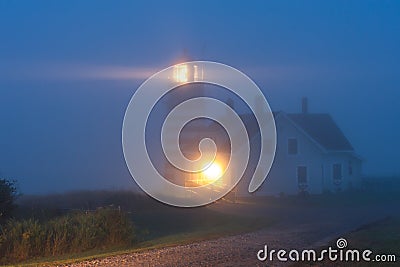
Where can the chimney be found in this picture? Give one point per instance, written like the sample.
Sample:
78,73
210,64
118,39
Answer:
304,105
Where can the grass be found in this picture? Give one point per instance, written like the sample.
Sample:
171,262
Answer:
156,225
72,232
381,237
218,225
328,200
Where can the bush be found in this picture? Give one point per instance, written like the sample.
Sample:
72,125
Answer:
8,195
71,233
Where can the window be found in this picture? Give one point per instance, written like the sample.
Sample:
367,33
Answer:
337,171
350,167
302,175
292,146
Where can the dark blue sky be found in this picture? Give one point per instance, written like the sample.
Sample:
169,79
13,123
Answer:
68,70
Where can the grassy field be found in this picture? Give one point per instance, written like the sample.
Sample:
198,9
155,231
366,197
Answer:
216,227
382,238
155,224
158,225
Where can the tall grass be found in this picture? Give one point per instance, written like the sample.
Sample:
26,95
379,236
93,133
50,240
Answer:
71,233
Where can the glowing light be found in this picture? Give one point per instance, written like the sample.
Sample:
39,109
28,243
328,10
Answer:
196,73
181,73
213,172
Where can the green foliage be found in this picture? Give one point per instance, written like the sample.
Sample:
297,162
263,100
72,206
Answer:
72,233
8,194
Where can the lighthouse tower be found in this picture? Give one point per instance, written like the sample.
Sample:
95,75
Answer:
183,73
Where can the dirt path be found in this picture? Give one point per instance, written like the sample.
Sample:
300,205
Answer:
305,229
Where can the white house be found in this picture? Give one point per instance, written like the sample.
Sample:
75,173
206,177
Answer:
312,155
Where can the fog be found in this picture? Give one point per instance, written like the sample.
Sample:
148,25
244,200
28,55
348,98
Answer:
68,70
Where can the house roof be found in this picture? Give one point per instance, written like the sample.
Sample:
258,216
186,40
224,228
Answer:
320,127
323,129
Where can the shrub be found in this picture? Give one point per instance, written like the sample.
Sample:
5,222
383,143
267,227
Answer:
71,233
8,195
